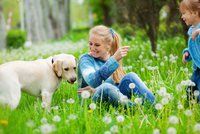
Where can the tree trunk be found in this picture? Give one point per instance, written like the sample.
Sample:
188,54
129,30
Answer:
2,28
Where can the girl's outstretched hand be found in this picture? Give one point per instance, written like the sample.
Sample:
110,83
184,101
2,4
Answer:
88,88
185,56
195,33
121,52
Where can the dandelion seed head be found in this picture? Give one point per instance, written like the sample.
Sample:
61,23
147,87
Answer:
131,85
120,118
92,106
171,130
85,94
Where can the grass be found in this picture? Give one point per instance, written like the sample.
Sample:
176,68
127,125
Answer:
166,71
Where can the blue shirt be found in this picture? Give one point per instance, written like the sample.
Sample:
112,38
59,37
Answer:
93,71
193,47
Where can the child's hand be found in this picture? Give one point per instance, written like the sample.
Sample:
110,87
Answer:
195,33
185,56
121,52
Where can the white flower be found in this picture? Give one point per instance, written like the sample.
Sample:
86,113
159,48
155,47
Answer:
30,123
197,127
171,130
162,91
107,119
70,101
165,101
173,120
44,104
92,106
56,118
179,88
123,99
196,93
72,117
55,108
187,83
120,118
158,106
85,94
107,132
162,64
131,85
142,69
188,112
180,106
156,131
140,57
47,128
114,129
43,120
138,101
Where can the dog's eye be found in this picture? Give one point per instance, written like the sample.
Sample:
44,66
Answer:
66,69
74,68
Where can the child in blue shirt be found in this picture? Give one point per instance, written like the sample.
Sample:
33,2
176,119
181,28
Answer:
102,70
190,10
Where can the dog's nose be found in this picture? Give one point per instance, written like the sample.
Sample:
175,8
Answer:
73,79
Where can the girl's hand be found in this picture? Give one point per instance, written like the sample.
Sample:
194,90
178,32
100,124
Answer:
185,56
121,52
195,33
88,88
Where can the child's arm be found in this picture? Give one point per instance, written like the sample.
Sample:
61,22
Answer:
186,56
195,33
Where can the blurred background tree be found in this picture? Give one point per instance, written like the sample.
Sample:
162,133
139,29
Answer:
52,19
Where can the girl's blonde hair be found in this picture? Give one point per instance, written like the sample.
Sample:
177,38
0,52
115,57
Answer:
113,40
190,5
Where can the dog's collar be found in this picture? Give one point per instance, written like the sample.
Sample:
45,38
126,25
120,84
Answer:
59,77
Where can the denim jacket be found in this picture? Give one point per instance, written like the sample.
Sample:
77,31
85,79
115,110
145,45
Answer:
93,71
193,48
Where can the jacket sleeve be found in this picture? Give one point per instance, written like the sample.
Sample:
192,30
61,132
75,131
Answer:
94,77
189,58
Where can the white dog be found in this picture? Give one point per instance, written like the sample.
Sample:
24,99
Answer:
38,78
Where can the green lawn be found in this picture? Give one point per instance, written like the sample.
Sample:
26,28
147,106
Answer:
165,75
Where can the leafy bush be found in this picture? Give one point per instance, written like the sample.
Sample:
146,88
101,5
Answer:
15,38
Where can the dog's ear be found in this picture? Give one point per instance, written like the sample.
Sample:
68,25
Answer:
57,67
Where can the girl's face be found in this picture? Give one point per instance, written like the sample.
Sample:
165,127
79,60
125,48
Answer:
98,49
190,18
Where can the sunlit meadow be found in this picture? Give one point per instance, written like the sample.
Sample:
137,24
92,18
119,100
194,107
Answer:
162,72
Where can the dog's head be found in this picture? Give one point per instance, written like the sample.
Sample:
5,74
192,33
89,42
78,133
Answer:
64,66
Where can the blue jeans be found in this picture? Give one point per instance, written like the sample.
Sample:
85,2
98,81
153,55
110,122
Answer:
190,90
109,93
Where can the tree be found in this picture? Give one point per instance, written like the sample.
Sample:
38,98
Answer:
46,19
2,28
102,8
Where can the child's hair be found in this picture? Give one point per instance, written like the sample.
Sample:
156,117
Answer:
190,5
110,37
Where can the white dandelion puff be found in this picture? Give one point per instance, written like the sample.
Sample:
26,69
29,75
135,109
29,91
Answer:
107,119
70,101
156,131
188,112
173,119
131,85
114,129
158,106
171,130
197,127
92,106
85,94
47,128
120,118
56,118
